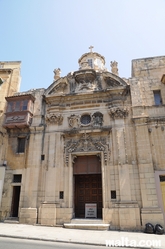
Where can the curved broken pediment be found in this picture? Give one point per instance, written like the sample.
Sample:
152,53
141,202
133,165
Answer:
60,86
113,81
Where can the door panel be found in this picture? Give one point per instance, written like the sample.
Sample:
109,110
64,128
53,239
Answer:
15,201
87,165
88,189
162,184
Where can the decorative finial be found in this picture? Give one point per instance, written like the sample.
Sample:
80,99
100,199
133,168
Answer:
57,72
91,47
114,68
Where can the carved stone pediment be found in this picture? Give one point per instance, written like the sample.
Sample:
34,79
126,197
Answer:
86,143
116,112
54,118
86,80
86,86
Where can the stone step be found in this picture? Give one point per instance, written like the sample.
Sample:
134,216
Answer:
87,221
87,226
14,220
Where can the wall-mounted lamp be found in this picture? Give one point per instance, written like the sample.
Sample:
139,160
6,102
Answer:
4,163
1,81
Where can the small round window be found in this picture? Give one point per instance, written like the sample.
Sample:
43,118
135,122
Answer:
85,119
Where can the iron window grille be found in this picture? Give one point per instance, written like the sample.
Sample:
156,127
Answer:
17,178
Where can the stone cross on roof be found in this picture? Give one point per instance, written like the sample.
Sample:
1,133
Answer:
91,47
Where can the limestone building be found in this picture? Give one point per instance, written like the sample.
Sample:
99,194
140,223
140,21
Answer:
91,145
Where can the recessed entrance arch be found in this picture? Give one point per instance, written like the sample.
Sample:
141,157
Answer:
87,184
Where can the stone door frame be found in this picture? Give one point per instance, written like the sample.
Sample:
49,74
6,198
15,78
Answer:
71,176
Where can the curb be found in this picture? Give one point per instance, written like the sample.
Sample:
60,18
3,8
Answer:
64,241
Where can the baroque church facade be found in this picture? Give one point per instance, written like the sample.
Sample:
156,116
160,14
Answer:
91,145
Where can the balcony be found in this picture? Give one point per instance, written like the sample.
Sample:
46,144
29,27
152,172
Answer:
19,112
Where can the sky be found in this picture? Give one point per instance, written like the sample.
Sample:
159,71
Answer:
50,34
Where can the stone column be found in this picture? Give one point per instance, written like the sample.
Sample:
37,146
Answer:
151,211
129,216
28,211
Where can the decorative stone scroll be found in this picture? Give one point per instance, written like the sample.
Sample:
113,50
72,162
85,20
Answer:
54,118
116,112
86,144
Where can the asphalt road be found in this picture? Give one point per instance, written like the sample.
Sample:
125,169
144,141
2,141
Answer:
9,243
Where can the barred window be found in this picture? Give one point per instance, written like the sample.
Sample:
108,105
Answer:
162,178
21,145
17,178
113,194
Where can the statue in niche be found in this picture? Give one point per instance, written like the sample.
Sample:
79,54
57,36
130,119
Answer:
97,119
114,68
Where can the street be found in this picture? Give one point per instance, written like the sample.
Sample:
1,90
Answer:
10,243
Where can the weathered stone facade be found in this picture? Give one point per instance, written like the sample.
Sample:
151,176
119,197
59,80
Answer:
90,114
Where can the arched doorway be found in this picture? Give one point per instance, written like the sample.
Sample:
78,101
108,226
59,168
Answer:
87,184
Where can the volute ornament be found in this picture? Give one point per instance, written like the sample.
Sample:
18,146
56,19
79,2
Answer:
54,118
116,112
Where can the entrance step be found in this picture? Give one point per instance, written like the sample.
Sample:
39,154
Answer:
14,220
87,221
87,224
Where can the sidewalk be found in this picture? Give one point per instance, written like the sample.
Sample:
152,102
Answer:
60,234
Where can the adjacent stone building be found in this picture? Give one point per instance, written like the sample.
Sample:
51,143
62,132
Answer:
91,145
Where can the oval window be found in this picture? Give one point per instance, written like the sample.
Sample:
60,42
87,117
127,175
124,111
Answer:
85,119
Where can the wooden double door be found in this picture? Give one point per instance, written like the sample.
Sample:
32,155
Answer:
88,185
